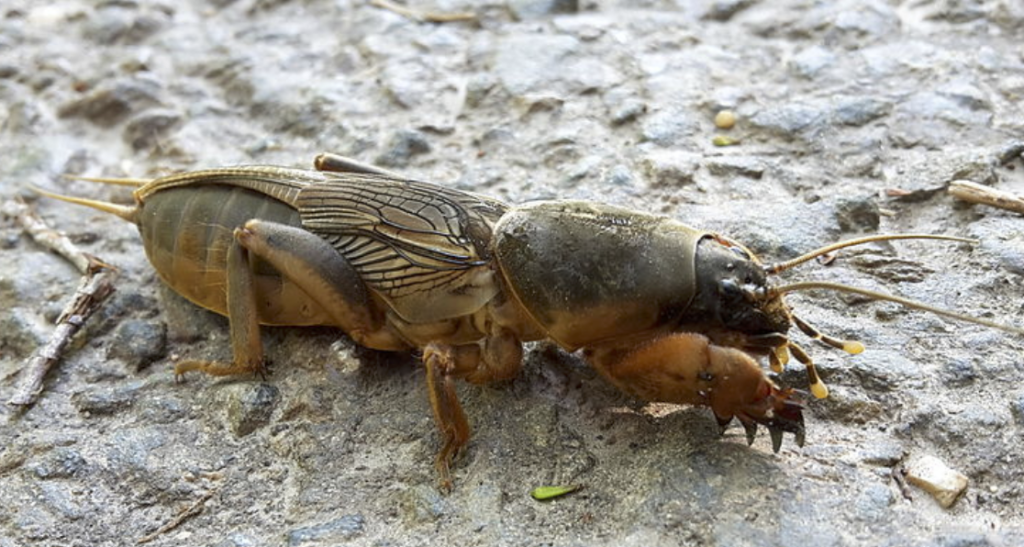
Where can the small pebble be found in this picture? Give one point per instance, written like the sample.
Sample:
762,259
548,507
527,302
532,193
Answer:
628,111
725,119
538,9
861,213
105,401
60,463
114,101
791,120
251,407
933,476
148,128
723,10
743,166
138,343
669,127
1017,409
345,528
669,168
403,145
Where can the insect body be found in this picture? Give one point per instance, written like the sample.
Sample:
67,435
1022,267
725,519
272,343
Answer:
664,311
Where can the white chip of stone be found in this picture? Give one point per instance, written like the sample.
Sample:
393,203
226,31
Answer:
935,477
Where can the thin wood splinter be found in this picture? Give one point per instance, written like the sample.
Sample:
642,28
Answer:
423,16
975,193
192,510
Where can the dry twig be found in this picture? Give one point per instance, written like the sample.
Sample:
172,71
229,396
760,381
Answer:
97,284
182,516
46,236
899,476
976,193
423,16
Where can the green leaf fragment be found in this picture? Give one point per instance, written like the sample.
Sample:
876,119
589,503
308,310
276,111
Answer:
544,493
722,140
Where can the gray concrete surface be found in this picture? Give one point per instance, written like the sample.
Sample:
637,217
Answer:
838,102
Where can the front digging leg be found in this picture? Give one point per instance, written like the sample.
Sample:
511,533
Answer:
687,368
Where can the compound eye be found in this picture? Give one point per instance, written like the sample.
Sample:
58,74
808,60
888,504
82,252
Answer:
729,287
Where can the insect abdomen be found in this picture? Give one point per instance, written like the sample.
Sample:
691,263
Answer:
187,232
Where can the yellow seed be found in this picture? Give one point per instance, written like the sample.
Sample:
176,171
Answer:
725,119
544,493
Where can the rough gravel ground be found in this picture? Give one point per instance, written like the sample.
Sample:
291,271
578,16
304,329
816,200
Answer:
837,103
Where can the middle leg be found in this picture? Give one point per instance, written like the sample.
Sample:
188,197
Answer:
498,357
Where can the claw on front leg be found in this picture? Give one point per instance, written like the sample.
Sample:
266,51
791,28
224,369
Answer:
751,428
688,368
780,412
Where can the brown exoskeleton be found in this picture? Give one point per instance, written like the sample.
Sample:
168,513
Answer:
664,311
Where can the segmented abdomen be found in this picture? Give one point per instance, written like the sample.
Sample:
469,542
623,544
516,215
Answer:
187,232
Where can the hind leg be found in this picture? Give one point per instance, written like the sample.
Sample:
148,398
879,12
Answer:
317,269
242,319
